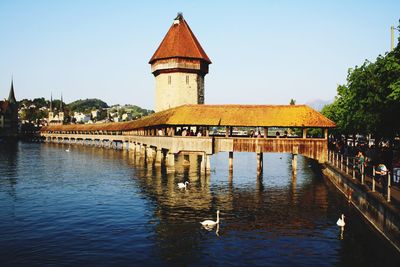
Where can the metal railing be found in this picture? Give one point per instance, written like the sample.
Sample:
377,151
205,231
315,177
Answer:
350,166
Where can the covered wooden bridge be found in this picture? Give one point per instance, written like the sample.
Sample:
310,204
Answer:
208,129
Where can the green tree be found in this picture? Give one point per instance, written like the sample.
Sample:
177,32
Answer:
87,105
370,100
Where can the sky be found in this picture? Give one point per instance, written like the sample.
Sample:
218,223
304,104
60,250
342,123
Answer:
262,52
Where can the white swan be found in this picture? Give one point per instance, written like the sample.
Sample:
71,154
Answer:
183,185
67,150
210,223
340,222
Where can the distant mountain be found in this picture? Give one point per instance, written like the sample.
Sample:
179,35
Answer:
87,105
318,104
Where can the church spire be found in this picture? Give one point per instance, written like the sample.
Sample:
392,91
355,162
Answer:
61,104
11,96
51,101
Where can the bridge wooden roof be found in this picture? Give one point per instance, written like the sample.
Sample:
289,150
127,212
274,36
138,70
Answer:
216,115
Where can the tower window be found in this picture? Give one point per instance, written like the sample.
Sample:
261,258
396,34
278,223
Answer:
169,79
187,79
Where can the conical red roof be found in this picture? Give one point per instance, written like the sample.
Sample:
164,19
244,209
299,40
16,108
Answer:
180,42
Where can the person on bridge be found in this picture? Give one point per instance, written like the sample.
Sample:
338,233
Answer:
184,132
360,161
381,174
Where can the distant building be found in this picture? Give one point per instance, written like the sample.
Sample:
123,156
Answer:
95,113
179,66
56,119
9,115
81,117
127,117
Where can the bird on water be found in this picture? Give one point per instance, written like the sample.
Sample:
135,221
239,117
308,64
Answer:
183,185
340,222
210,223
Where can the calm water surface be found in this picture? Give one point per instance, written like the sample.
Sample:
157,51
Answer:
99,207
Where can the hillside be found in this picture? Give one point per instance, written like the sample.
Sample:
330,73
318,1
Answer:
87,105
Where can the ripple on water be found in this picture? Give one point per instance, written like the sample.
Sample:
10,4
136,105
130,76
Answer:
103,207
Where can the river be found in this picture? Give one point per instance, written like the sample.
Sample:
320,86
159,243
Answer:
102,207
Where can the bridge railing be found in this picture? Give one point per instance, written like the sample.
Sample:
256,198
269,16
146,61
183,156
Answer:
315,148
174,144
362,172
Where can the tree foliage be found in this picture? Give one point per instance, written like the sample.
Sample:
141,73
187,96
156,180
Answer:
370,100
30,109
87,105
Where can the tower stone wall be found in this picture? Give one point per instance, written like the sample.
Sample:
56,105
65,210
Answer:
178,88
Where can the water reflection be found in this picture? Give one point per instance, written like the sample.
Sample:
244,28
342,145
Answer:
9,167
244,208
92,199
341,232
161,186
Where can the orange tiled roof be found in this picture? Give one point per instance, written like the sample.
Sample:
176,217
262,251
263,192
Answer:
180,42
239,115
217,115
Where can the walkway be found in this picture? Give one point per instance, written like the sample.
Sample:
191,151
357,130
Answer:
345,165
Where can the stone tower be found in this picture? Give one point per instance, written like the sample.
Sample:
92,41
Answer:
179,66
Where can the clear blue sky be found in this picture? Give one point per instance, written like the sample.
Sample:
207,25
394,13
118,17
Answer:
263,52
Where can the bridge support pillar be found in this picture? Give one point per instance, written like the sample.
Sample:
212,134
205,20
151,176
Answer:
132,147
205,166
149,154
170,162
158,157
294,164
208,164
231,161
125,145
137,150
259,162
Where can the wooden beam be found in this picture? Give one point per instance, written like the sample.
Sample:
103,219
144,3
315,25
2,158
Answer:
265,132
304,133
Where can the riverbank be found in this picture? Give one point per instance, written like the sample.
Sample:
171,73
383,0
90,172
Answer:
382,215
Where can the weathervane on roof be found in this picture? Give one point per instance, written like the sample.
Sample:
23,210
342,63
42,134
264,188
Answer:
178,18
